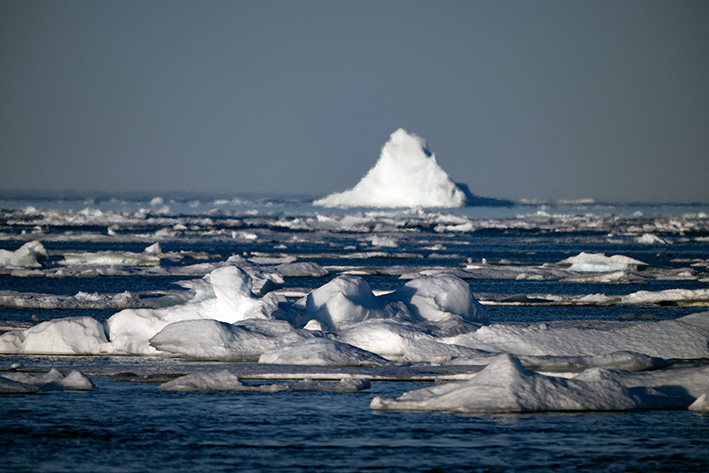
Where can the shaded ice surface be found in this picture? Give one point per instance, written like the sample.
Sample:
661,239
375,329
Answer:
289,313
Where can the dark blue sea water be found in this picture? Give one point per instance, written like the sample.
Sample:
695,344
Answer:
134,427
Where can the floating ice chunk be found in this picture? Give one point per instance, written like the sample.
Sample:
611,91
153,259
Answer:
505,386
68,336
154,249
111,258
650,239
598,262
82,300
30,255
213,340
321,351
8,386
406,175
217,381
440,296
54,380
346,300
345,385
685,297
302,270
384,241
227,381
701,404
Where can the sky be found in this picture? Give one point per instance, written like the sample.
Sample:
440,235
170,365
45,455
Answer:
517,99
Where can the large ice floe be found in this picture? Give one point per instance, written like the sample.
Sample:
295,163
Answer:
504,385
407,174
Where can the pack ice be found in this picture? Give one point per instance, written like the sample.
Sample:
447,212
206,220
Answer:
435,319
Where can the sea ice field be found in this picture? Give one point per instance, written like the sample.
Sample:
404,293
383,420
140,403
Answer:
181,334
363,330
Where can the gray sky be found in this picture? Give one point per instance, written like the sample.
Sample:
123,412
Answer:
517,99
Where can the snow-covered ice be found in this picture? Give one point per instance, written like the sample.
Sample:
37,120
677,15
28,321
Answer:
228,381
504,385
30,255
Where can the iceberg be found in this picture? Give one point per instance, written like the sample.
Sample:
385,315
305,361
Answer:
407,174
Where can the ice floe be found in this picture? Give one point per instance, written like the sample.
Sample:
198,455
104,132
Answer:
227,381
22,383
504,385
598,262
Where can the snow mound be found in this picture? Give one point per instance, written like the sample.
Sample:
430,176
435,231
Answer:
406,175
68,336
30,255
440,296
505,386
346,300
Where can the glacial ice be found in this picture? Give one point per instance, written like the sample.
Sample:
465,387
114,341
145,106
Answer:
406,175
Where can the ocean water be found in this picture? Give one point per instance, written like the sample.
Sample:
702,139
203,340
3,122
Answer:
132,426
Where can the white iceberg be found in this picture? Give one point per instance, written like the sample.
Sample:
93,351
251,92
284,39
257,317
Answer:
406,175
30,255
